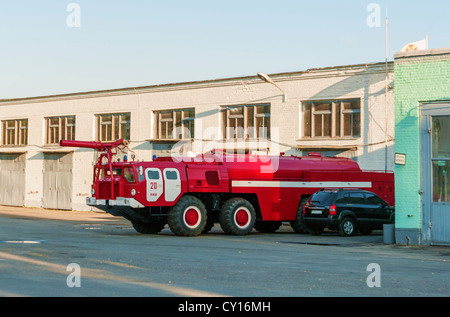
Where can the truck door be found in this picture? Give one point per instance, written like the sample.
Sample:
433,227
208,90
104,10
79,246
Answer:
154,184
172,184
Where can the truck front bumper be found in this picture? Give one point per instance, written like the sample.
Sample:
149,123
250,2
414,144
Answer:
119,201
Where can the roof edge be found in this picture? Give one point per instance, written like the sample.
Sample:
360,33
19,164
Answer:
201,83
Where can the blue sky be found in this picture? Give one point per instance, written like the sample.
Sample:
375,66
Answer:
137,43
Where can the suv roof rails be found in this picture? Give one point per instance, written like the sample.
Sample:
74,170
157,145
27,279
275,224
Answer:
341,189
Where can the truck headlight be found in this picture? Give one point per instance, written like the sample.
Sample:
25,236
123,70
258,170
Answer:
133,192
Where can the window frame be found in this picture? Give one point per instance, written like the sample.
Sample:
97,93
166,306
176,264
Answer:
63,128
337,125
114,127
250,116
167,128
14,136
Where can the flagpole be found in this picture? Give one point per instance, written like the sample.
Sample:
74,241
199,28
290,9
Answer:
386,96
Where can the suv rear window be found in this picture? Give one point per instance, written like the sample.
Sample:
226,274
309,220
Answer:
322,198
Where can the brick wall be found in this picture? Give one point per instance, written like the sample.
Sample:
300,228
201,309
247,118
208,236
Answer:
420,77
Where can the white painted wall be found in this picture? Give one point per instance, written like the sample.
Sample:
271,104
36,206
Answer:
366,82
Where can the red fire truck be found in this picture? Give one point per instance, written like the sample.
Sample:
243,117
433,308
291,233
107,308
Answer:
241,192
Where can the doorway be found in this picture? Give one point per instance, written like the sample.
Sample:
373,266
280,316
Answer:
12,179
58,181
435,172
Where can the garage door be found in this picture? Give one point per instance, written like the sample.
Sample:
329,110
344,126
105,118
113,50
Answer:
57,181
12,179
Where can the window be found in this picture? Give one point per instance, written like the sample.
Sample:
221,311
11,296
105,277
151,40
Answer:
441,158
175,124
355,198
59,128
128,174
331,119
322,198
153,174
373,199
111,127
171,175
246,122
15,132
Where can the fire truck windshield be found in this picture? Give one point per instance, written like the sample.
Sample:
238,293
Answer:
129,174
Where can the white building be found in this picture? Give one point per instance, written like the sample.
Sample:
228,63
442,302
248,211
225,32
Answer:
335,110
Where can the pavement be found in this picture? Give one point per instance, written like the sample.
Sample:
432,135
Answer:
118,261
329,238
72,215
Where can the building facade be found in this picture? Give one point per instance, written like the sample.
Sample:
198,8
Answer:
422,146
337,111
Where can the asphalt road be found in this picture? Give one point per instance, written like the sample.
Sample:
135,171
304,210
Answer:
36,248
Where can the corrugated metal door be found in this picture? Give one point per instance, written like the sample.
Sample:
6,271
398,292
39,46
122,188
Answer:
12,179
58,181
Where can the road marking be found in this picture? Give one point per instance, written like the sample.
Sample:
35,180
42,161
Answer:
24,241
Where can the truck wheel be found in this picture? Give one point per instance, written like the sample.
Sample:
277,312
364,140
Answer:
297,225
148,228
237,216
187,217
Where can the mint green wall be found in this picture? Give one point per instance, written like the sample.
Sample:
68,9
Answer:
416,80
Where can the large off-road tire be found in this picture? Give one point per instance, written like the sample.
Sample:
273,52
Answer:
148,228
297,225
237,216
187,217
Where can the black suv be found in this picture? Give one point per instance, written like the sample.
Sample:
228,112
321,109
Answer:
346,210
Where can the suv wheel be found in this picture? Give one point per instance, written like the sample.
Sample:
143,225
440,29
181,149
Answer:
347,227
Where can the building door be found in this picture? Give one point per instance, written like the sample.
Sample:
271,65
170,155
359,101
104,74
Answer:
57,181
436,170
12,179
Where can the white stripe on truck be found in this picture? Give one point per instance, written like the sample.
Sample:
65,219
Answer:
280,184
